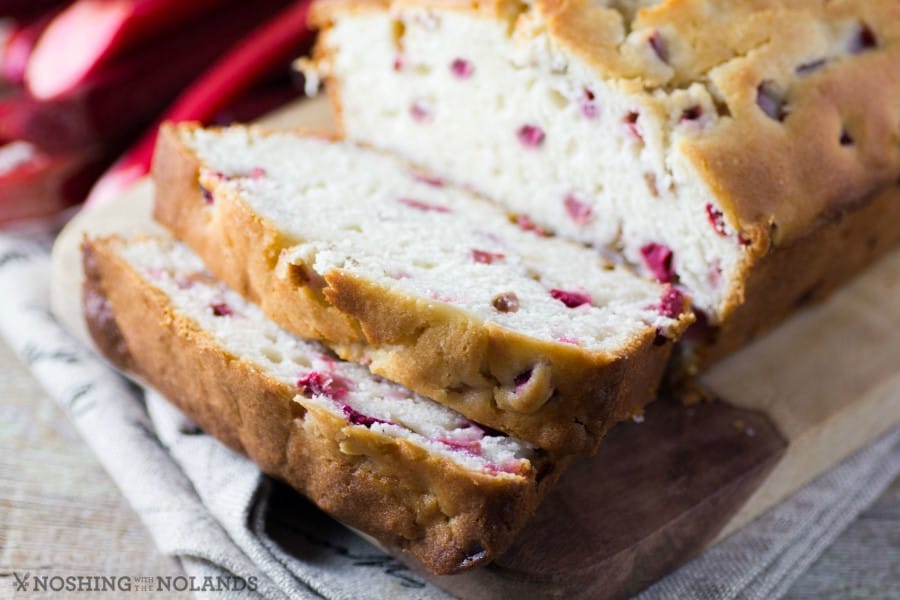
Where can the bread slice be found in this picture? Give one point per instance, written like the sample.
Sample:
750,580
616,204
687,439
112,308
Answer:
397,466
704,141
426,284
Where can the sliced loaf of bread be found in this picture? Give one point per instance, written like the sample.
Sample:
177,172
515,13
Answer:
427,284
399,467
710,143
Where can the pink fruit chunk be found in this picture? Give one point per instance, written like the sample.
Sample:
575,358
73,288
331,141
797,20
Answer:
531,136
671,303
257,173
423,206
810,67
580,212
461,68
357,418
522,378
865,39
770,101
658,258
399,62
221,309
570,298
716,219
526,224
588,105
316,383
660,48
420,111
431,180
691,114
486,258
846,139
512,466
506,302
631,123
472,447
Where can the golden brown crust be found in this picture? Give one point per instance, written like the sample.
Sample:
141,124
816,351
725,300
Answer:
774,179
777,180
430,348
447,517
798,274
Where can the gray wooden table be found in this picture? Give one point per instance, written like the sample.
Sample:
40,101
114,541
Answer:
61,515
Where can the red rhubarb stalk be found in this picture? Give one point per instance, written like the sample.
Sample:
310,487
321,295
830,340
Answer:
19,46
90,33
35,185
27,9
122,99
269,46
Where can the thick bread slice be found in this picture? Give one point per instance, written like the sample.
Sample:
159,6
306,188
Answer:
399,467
707,142
428,285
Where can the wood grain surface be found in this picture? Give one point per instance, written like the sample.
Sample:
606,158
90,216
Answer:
656,493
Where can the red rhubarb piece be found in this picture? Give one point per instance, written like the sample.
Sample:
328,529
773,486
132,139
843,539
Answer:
631,123
658,258
357,418
691,114
672,302
461,68
716,219
420,111
472,447
522,378
810,67
19,47
580,212
865,39
28,9
588,105
531,136
431,180
121,99
275,43
486,258
660,48
90,33
35,185
423,206
570,298
221,309
506,302
316,383
770,101
526,224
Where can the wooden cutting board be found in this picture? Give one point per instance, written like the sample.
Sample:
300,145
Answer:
792,404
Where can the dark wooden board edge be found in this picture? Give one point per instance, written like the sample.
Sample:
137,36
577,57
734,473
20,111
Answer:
655,495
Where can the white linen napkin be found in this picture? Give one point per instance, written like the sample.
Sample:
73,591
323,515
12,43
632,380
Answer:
213,510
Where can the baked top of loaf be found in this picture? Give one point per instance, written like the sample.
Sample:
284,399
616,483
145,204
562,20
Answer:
429,285
772,115
330,428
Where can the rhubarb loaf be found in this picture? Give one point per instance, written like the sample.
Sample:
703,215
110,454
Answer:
426,284
402,468
706,142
